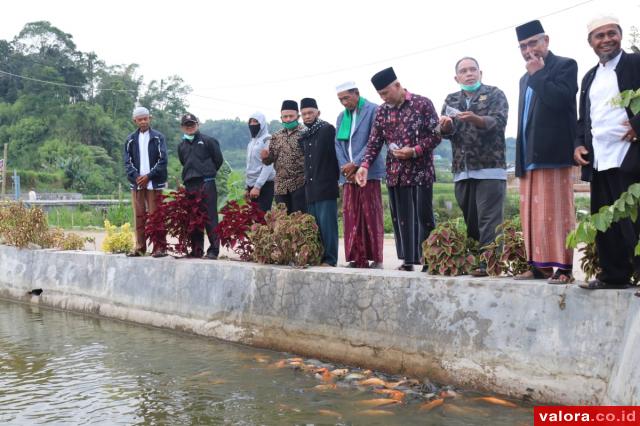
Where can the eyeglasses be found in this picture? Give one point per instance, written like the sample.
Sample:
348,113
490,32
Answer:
531,43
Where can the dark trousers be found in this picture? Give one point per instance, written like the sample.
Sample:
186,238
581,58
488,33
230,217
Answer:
295,201
616,245
482,204
265,199
326,214
210,205
412,217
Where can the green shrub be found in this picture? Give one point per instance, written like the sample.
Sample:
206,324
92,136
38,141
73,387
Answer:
507,253
286,239
118,239
447,250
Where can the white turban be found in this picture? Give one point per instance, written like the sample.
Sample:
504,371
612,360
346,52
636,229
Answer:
140,112
346,86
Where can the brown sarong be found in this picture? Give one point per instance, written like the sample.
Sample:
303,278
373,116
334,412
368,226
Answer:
547,215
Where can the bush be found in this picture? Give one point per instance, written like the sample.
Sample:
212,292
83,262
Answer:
507,253
448,251
179,218
21,226
118,239
287,239
236,222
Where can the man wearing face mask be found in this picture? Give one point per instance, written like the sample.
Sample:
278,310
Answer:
321,175
474,119
260,177
544,155
201,159
285,153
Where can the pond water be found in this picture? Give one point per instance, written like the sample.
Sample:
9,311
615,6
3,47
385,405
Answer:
64,368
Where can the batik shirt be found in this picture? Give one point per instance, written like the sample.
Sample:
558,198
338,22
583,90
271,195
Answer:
413,124
288,160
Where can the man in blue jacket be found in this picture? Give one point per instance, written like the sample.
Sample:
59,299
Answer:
607,148
361,206
145,163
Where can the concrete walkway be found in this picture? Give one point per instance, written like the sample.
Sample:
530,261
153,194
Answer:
391,261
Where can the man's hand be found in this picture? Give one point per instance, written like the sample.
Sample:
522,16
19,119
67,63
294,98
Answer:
254,193
631,135
404,153
348,170
264,154
471,117
361,176
579,155
535,64
142,181
446,124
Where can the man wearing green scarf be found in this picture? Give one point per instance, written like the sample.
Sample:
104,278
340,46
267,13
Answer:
361,206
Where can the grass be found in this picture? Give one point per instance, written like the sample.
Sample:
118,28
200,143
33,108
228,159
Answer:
89,217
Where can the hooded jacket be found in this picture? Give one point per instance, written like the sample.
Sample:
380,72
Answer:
258,173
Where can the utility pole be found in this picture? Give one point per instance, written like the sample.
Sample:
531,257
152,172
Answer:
4,169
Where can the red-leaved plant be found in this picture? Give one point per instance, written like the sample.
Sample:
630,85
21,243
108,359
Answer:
177,215
236,222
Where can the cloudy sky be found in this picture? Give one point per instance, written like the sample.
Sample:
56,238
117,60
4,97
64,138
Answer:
244,55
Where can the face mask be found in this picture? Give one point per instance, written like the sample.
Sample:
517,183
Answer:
471,88
188,137
291,125
254,129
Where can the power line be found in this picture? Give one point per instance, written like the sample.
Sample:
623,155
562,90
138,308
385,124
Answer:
393,58
56,83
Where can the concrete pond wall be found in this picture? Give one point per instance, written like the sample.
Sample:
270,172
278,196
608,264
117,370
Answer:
555,344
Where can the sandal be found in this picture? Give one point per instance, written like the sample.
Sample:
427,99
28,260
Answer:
561,276
601,285
533,274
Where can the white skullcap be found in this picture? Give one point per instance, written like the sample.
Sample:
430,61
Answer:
139,112
346,86
601,21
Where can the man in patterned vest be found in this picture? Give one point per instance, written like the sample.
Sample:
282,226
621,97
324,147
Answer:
474,119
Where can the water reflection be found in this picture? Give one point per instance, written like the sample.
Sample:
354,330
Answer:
63,368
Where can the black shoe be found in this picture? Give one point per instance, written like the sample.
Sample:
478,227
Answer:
158,253
211,256
425,268
405,267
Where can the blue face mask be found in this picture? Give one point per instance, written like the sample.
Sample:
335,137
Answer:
188,137
471,88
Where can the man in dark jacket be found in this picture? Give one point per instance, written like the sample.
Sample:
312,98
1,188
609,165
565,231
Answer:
544,155
607,147
145,162
321,176
474,119
201,159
